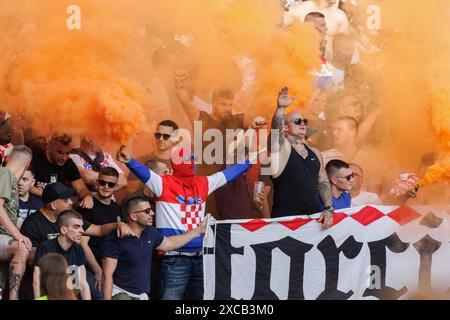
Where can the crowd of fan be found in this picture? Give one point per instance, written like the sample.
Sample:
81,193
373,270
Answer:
74,200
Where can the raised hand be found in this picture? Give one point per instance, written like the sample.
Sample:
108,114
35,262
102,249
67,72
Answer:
283,98
122,155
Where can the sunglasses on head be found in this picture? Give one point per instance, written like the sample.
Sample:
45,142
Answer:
146,211
299,121
164,135
103,183
349,177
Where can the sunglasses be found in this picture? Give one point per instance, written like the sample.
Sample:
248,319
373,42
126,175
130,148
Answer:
103,183
349,177
299,121
164,135
146,211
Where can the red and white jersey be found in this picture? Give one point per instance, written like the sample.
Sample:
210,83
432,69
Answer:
181,208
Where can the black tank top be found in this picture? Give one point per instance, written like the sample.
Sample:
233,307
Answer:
295,190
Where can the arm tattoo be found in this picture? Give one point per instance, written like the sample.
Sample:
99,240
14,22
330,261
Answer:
278,122
324,188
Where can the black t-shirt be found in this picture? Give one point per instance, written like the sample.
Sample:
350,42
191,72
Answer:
47,172
39,229
100,214
26,208
74,256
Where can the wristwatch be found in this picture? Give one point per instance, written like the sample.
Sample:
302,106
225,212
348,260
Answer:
329,208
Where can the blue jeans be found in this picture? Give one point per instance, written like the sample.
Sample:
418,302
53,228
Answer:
181,278
95,293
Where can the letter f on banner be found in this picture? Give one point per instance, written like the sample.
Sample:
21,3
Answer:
74,20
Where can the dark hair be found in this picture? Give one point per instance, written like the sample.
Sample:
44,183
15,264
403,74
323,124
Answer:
335,165
32,171
313,15
108,171
132,203
64,138
54,277
168,123
222,93
65,216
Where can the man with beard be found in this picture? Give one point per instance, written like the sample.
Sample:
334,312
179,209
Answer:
55,165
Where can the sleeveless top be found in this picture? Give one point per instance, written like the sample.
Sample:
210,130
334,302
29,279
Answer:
295,190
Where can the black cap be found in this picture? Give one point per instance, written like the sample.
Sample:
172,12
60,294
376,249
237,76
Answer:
55,191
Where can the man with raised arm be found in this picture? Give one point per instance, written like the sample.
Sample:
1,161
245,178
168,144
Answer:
301,185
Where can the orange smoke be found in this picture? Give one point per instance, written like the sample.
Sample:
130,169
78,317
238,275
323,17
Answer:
75,81
412,76
94,81
440,112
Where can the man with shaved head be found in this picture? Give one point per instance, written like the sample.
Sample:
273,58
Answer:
301,185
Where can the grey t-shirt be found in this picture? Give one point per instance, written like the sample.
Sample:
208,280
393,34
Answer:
10,193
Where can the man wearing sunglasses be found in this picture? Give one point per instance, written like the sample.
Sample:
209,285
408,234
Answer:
165,140
341,179
301,185
104,211
127,262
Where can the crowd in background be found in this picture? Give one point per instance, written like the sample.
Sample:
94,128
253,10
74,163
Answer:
63,196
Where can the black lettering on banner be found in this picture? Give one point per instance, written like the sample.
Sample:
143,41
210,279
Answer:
223,252
296,251
426,247
378,258
350,248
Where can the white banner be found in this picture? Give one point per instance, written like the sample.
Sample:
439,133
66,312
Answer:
379,252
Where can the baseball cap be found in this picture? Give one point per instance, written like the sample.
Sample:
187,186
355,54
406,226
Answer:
55,191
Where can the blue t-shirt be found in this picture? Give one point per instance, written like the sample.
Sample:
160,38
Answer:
343,202
134,257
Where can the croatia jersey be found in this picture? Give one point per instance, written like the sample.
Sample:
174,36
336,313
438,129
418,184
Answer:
181,208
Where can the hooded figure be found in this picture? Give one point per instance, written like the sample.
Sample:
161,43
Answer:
183,166
180,198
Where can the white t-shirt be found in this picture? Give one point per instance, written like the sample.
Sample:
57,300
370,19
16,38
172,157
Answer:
366,198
